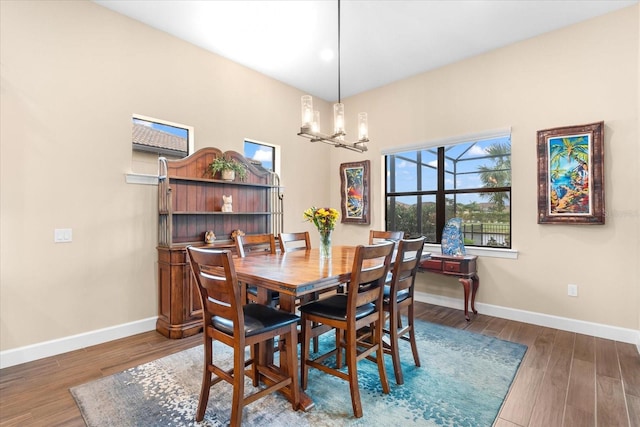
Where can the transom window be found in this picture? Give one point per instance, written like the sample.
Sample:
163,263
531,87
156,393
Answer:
161,137
262,154
471,180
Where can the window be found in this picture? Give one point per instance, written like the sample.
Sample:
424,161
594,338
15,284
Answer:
261,154
161,137
470,180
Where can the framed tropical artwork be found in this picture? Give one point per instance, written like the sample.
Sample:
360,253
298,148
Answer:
354,192
571,175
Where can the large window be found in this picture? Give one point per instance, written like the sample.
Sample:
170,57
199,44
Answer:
470,180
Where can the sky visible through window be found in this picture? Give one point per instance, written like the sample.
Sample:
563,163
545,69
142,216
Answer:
173,130
259,152
463,159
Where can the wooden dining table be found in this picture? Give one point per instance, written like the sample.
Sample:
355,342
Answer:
295,275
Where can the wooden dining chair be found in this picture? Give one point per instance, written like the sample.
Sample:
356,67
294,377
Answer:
398,298
227,320
255,245
359,309
289,242
378,236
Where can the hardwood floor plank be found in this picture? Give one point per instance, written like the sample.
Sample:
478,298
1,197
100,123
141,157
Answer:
522,396
607,358
539,352
549,408
581,393
611,409
494,326
509,330
629,367
504,423
633,403
574,416
585,348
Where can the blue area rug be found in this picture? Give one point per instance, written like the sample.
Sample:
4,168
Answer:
463,381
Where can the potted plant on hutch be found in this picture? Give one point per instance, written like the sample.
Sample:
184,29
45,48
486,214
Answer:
228,168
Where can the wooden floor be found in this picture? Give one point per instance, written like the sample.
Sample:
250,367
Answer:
566,379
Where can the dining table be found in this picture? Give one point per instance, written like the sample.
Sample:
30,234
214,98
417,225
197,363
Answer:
295,275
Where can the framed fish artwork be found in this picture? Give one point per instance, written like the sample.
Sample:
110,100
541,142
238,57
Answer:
354,192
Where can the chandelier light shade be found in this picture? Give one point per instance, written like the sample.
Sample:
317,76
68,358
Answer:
310,127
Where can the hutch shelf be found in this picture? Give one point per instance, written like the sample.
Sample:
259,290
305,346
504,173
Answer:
189,204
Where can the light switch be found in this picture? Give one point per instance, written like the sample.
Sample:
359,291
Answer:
62,235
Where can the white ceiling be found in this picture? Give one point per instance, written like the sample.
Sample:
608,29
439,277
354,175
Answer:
382,41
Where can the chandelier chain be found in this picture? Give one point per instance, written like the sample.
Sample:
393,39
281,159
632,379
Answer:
339,97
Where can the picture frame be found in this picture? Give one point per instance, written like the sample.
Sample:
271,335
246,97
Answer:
355,192
571,175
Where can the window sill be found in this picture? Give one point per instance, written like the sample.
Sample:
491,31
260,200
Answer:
140,178
484,252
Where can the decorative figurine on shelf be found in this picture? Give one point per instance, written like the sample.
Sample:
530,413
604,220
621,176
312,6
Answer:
452,241
226,203
236,233
209,237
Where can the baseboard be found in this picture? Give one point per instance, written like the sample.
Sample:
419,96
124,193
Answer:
51,348
615,333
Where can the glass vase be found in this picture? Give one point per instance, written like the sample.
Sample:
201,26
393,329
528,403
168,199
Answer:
325,243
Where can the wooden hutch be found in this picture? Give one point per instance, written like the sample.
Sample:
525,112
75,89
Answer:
189,204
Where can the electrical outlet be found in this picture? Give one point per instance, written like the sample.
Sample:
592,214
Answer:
62,235
572,290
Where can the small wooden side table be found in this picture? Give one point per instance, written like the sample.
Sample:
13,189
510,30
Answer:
463,267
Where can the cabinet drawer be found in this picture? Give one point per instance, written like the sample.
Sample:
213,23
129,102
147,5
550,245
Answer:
453,267
432,264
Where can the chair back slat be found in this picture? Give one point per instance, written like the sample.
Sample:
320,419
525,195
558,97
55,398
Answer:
406,264
294,241
370,267
255,244
219,294
380,236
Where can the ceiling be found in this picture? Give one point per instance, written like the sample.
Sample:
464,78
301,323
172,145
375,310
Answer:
382,41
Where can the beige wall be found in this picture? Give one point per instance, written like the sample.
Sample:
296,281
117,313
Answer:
72,74
582,74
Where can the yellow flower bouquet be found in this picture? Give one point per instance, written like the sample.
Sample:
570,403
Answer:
322,218
325,220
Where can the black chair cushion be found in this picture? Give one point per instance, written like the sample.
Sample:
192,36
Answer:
335,307
402,295
258,318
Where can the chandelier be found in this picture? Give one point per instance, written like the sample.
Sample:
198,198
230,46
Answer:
311,119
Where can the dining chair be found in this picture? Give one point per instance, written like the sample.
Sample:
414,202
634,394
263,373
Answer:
378,236
255,245
289,242
398,298
347,314
227,320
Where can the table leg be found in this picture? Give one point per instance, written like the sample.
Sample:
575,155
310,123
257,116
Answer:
466,284
288,303
476,285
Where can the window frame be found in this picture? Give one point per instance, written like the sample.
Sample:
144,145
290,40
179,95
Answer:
276,152
441,193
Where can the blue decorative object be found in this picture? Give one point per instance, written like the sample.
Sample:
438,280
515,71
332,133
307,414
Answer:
452,242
